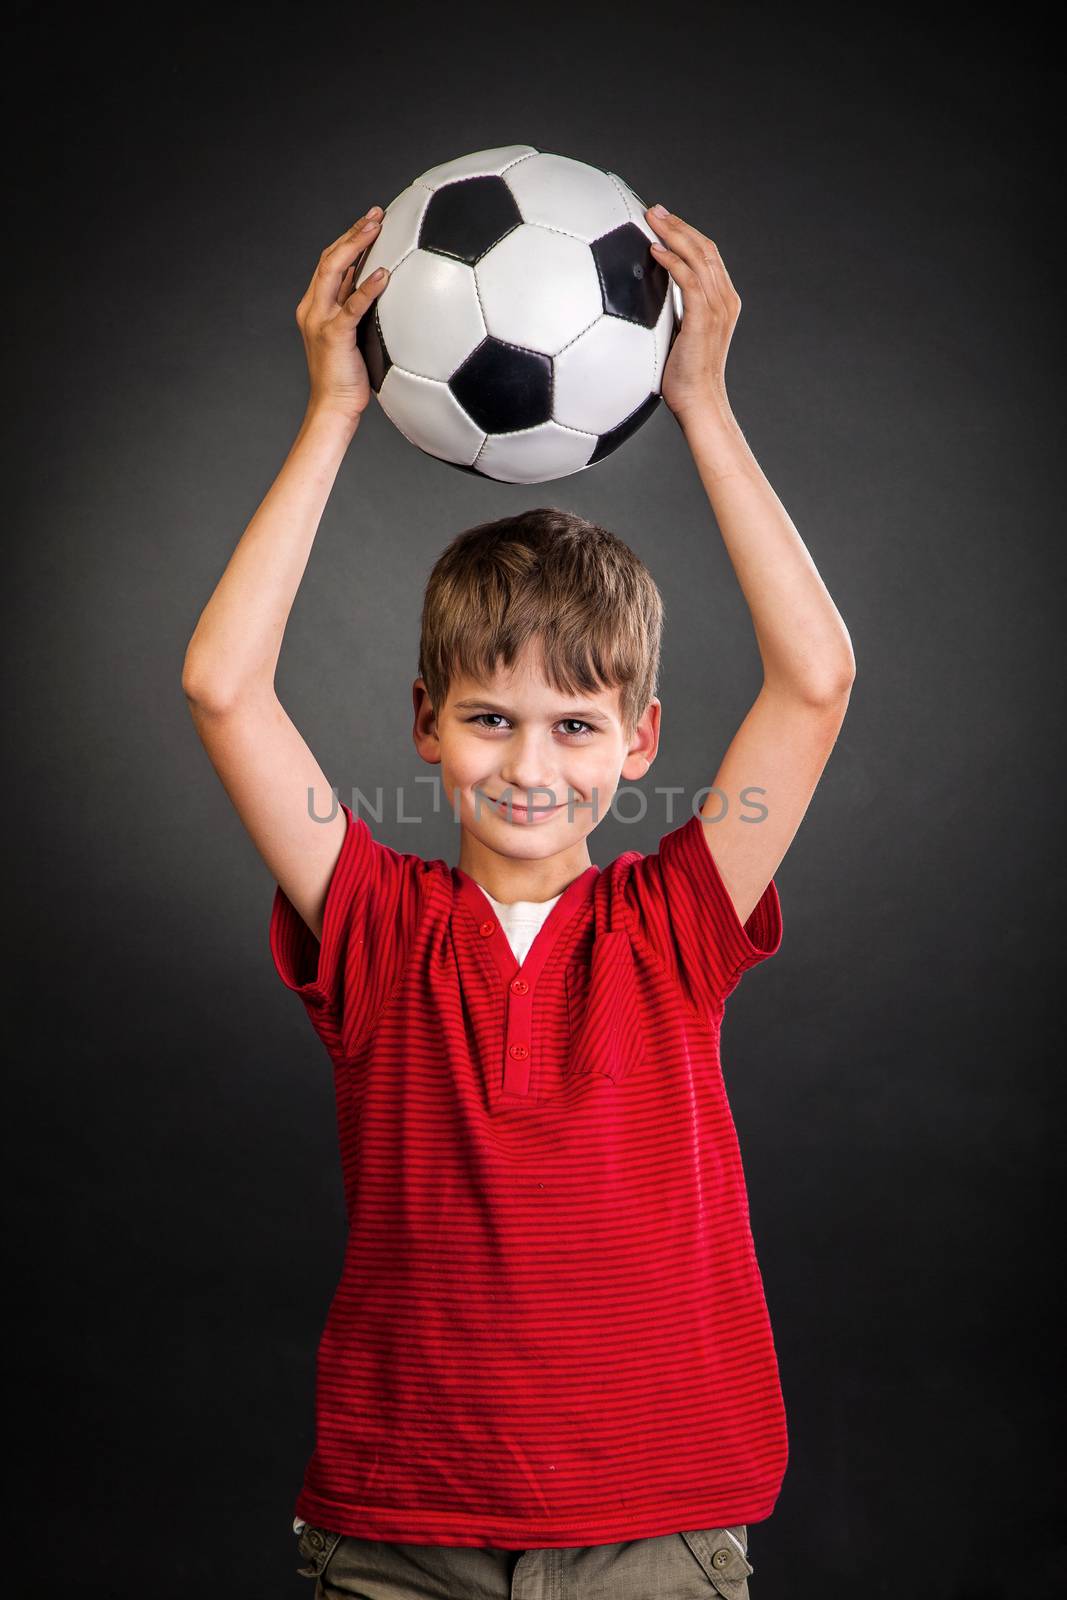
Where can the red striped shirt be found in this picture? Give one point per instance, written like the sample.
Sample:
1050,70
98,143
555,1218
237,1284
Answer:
550,1327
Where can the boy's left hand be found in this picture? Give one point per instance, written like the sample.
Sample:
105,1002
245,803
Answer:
694,378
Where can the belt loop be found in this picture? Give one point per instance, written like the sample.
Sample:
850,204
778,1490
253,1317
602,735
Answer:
318,1545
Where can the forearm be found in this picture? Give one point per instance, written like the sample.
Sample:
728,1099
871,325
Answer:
237,641
802,640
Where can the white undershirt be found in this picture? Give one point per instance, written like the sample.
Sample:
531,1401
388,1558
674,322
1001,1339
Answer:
521,921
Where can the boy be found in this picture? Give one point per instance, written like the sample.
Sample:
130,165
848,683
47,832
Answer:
549,1351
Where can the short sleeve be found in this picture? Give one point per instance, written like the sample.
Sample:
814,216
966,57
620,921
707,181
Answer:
368,925
682,910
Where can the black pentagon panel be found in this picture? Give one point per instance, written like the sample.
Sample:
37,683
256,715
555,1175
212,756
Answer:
465,219
611,441
372,347
632,281
503,388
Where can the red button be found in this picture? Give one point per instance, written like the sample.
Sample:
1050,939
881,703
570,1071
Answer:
519,1051
487,928
519,986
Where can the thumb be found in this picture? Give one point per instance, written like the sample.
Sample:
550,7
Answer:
360,298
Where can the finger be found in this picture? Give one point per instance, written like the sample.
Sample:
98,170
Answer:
700,253
720,268
335,260
347,281
373,215
351,274
369,289
351,277
693,288
675,241
695,302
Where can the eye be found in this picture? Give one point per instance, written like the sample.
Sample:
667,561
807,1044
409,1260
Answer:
491,719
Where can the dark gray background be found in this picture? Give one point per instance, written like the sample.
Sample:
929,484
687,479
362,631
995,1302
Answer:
883,192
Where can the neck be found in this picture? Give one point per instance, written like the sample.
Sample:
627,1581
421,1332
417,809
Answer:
511,878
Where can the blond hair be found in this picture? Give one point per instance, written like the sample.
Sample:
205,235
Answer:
548,575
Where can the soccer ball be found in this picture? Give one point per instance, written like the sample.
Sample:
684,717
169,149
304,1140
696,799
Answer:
524,329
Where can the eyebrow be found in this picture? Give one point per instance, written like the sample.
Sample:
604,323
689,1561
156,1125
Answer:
580,713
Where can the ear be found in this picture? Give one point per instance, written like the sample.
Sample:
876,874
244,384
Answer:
424,732
644,744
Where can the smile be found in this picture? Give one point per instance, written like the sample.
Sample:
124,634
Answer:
525,814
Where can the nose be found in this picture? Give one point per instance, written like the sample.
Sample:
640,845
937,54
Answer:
528,775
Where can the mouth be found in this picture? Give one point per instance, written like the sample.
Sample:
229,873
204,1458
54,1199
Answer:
524,814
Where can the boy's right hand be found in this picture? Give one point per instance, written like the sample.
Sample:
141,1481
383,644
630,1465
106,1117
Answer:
328,315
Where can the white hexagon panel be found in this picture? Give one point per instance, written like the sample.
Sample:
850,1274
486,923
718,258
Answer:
525,327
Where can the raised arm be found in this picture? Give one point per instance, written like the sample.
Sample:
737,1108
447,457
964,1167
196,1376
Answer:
786,738
230,664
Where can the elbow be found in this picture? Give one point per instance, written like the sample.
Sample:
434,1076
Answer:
204,691
211,695
827,690
831,693
832,684
193,685
834,689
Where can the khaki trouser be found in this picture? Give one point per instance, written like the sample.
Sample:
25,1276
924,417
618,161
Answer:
676,1566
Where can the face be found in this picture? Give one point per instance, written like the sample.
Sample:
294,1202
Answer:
559,758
